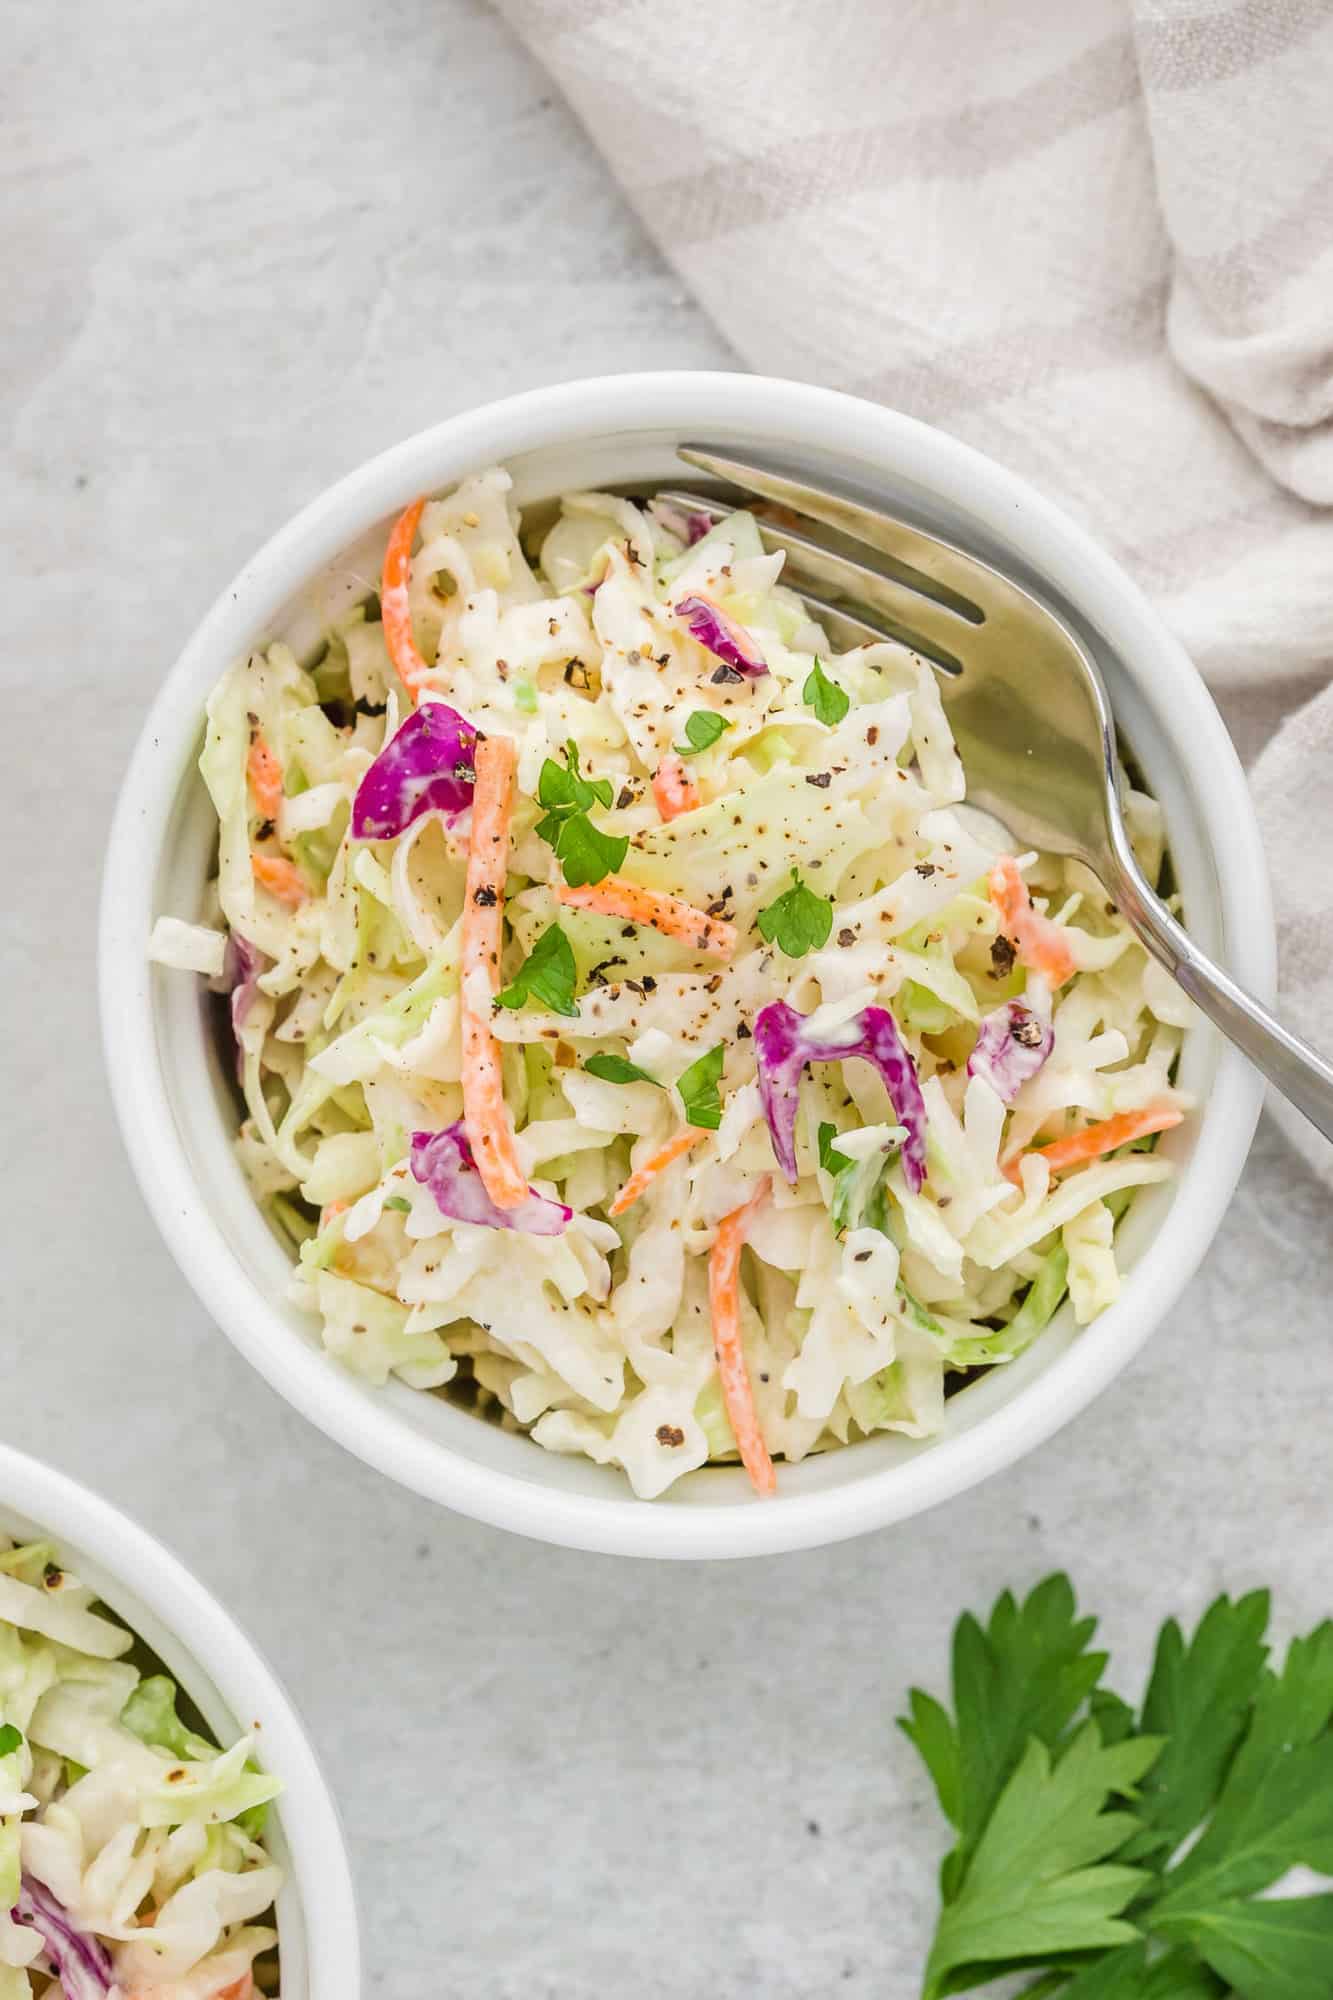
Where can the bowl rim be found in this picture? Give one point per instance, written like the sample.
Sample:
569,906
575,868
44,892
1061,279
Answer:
566,414
81,1521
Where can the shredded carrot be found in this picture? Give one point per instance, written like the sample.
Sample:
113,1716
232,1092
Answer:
281,877
1094,1140
1041,944
643,1177
395,609
673,788
265,775
613,896
724,1300
485,1117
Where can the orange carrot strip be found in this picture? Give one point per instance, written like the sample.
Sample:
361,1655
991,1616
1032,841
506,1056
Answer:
673,788
613,896
265,775
1094,1140
643,1177
1041,944
281,877
395,609
485,1116
724,1300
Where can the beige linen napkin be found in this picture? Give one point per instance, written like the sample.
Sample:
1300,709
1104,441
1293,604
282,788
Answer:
1092,237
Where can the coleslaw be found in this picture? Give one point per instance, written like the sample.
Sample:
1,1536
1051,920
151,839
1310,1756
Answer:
635,1025
132,1857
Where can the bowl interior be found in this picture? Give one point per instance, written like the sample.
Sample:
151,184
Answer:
186,1670
1160,705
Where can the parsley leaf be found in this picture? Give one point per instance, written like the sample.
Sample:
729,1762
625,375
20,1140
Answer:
546,975
584,852
826,698
799,921
698,1089
830,1159
702,730
11,1739
1072,1810
617,1069
1033,1879
1276,1807
564,789
1025,1674
1199,1697
1277,1950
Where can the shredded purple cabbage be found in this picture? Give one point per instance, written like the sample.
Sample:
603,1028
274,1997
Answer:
784,1046
242,965
426,766
443,1162
79,1960
241,968
686,527
1012,1046
723,637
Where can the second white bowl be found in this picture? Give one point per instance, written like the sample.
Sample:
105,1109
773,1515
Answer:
233,1689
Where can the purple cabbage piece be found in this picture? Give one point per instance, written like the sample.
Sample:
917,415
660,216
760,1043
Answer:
242,964
1012,1046
80,1961
443,1162
426,766
686,527
723,637
784,1046
240,975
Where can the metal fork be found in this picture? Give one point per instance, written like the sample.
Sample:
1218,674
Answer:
1027,707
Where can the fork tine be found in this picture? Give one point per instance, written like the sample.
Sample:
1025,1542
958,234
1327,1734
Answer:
920,561
863,598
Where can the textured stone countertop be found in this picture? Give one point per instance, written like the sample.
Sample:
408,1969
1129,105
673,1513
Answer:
248,246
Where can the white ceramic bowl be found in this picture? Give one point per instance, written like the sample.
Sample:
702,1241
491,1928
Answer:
233,1689
177,1119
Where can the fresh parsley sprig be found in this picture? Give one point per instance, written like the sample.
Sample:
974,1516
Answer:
586,854
1122,1853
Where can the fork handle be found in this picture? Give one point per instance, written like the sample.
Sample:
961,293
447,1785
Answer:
1290,1065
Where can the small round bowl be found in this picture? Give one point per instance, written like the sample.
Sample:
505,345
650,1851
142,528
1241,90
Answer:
233,1689
178,1119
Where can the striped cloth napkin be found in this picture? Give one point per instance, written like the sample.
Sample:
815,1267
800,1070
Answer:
1094,240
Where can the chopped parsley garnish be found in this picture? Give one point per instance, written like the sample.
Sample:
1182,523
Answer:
698,1089
546,975
799,921
830,1159
11,1739
825,697
584,852
702,730
617,1069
